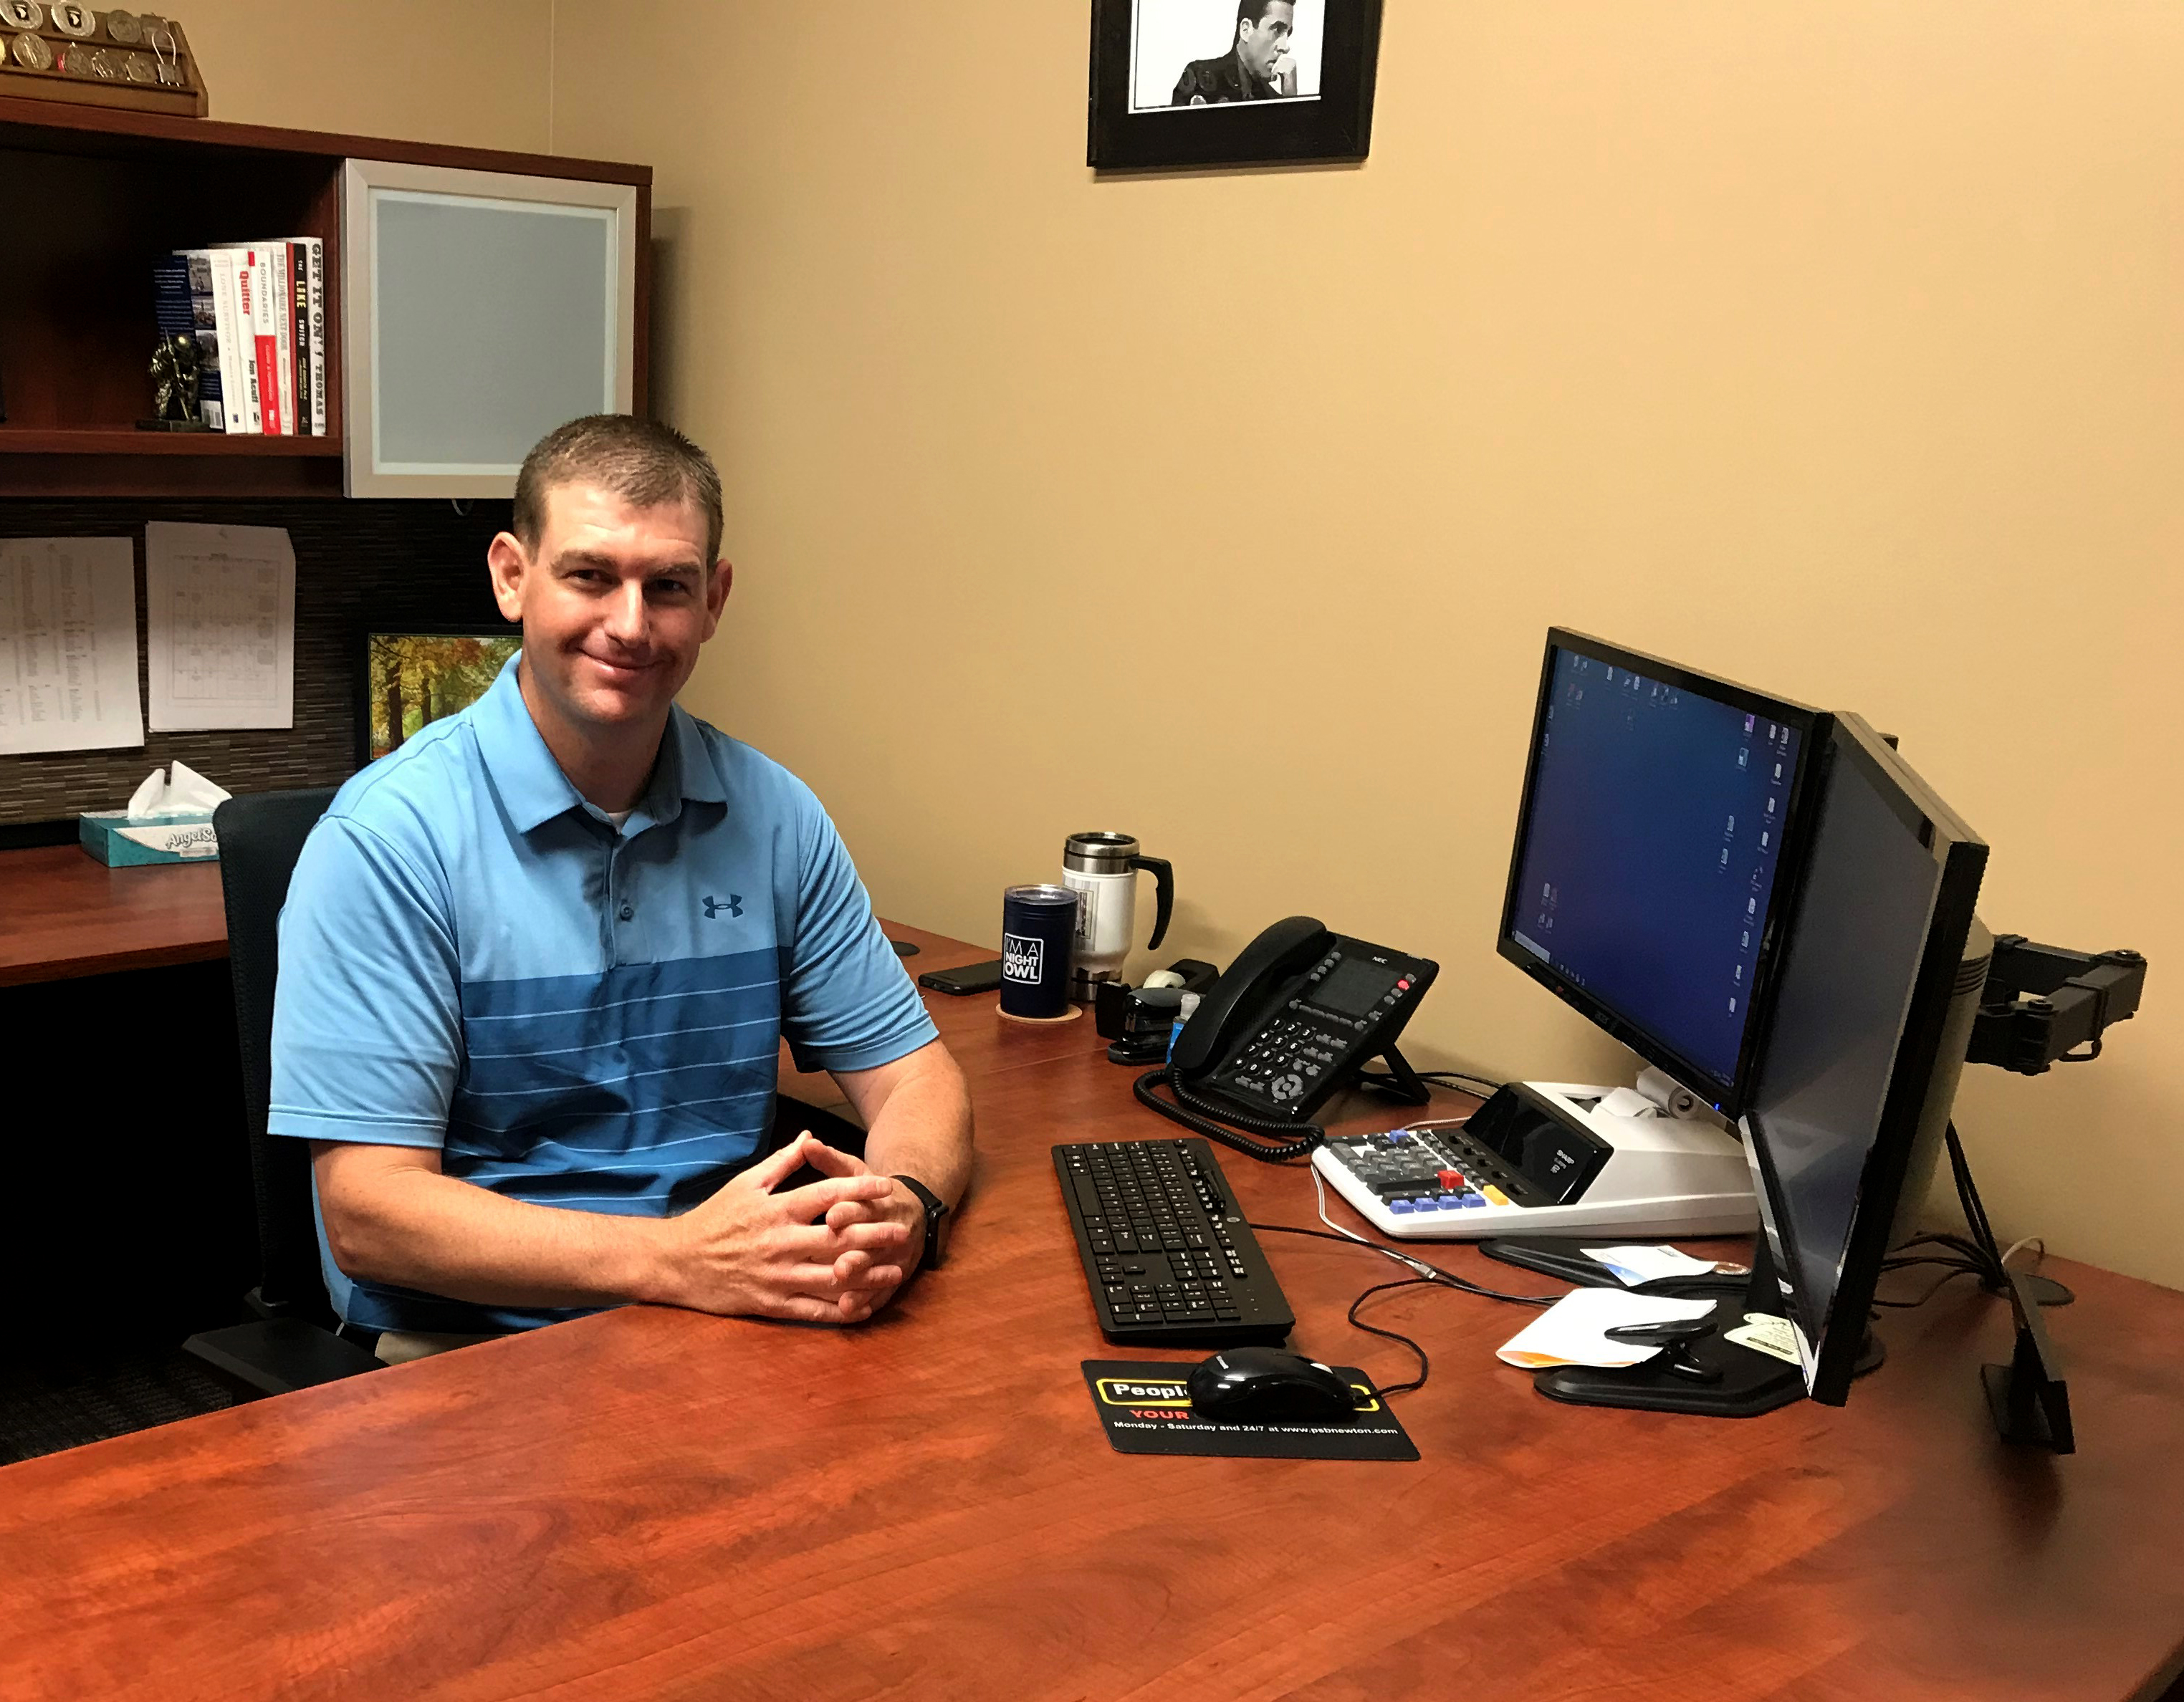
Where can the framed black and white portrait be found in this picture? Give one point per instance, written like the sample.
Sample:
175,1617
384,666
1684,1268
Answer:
1180,83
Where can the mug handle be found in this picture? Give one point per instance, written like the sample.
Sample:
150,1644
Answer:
1163,873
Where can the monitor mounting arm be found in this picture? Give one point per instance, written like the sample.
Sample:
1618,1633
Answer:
2042,1003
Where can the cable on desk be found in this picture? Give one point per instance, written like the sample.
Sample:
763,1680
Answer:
1975,1254
1457,1079
1425,1364
1427,1275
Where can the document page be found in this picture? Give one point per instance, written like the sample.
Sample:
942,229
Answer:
68,645
220,627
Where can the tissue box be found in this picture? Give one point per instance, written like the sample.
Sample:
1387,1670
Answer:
121,841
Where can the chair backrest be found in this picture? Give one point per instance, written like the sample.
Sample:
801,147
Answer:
261,835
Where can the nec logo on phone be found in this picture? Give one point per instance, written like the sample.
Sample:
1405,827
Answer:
1022,960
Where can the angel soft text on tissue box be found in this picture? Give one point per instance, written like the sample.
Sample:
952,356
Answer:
166,821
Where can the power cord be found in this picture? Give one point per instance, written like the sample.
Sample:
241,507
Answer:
1426,1275
1457,1079
1977,1255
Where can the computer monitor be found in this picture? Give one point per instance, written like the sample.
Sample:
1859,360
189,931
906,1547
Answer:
1662,819
1880,974
1859,1048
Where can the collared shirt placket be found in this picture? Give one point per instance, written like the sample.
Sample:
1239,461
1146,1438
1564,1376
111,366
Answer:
621,906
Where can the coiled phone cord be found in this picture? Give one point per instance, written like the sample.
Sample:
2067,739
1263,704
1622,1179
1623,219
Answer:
1197,1116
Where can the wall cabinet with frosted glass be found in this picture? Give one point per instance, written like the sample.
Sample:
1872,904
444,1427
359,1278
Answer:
474,300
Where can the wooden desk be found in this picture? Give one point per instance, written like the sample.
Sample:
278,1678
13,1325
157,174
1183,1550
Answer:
64,914
653,1504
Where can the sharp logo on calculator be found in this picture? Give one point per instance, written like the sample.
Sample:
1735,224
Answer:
1022,960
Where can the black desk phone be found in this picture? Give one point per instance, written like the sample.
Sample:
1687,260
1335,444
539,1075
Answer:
1295,1015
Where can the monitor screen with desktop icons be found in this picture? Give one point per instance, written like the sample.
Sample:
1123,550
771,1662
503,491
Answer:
1769,903
1663,816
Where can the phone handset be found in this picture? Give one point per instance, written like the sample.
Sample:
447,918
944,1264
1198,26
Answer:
1230,1011
1291,1022
1239,998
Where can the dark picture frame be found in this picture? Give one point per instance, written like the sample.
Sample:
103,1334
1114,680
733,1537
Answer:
1335,127
416,656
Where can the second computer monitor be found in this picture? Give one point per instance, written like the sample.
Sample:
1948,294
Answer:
1663,817
1883,961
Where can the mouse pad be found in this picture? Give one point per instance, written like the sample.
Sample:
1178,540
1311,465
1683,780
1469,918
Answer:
1145,1406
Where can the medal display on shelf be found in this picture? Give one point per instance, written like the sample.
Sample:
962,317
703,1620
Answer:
61,51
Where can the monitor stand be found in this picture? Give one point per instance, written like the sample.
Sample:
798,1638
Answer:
1710,1376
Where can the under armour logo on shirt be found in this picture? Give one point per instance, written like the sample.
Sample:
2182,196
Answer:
734,904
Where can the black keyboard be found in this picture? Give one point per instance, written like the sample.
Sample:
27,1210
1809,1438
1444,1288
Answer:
1165,1246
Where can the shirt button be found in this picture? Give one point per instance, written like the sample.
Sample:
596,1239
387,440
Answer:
628,911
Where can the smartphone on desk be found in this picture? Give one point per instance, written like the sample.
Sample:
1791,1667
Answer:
973,977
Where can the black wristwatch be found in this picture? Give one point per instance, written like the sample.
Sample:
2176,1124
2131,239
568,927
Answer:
936,1224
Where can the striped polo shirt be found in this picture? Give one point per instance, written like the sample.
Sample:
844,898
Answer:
473,957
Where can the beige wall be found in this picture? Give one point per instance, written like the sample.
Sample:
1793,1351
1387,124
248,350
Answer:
473,73
1837,349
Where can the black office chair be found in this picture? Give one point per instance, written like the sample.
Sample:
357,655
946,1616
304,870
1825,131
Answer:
291,1344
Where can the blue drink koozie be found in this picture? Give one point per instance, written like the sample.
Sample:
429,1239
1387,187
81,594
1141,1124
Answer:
1039,935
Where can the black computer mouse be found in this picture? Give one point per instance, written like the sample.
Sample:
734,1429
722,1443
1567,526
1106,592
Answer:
1267,1386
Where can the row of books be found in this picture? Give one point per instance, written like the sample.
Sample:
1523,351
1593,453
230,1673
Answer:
259,313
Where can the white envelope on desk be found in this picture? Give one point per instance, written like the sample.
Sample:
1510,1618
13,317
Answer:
1572,1331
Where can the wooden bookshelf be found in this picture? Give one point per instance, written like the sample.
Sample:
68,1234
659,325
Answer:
98,439
96,196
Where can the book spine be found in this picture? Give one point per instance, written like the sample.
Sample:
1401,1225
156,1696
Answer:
170,308
234,339
299,334
315,275
204,320
257,291
280,297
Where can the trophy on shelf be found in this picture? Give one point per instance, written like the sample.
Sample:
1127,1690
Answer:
61,50
178,365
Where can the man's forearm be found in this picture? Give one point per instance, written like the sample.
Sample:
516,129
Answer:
923,1128
418,1229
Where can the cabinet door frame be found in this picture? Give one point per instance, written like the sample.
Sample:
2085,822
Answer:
359,307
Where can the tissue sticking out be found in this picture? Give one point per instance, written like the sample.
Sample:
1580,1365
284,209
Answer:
168,819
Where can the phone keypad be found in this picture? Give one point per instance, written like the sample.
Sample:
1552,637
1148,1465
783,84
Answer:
1301,1050
1286,1058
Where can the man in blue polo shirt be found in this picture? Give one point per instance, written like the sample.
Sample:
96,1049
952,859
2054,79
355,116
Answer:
536,964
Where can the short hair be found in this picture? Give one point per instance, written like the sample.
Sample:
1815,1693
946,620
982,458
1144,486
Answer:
1251,12
643,462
